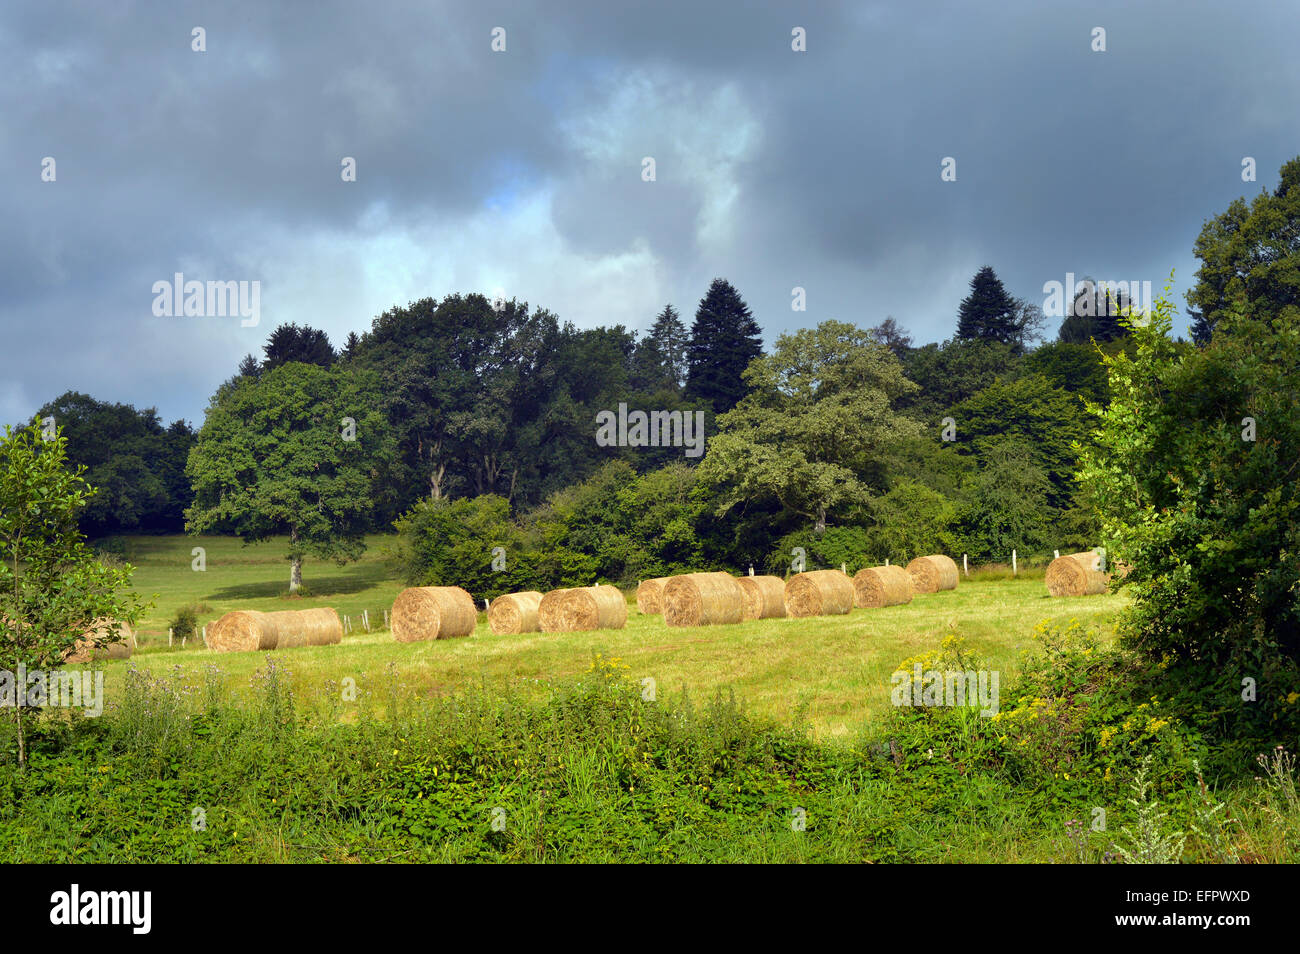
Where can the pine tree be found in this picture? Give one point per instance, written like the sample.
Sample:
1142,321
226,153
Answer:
289,343
988,313
669,335
724,339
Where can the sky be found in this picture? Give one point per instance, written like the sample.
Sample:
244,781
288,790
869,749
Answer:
521,171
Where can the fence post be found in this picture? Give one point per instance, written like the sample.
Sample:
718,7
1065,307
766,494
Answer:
169,637
183,639
886,561
365,619
385,617
1013,562
205,637
964,568
751,569
844,568
1056,554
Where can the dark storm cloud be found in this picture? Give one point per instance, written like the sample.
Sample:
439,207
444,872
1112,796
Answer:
775,169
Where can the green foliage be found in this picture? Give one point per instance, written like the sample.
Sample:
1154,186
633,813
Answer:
1044,419
912,520
827,551
988,313
949,373
185,623
273,457
725,338
1076,369
1250,257
305,344
452,543
136,465
1007,503
1095,314
617,527
51,586
1205,516
815,428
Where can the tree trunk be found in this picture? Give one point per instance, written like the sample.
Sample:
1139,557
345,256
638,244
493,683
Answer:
295,563
820,528
22,739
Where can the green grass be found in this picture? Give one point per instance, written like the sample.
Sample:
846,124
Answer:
836,668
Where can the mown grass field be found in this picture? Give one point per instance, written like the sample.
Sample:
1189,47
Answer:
835,668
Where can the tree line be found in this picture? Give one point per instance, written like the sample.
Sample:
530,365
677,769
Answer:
841,440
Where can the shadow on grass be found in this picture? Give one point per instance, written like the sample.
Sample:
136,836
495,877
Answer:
316,586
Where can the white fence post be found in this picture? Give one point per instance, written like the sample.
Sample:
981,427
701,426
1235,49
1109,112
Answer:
205,637
1056,554
964,568
365,619
1013,562
169,637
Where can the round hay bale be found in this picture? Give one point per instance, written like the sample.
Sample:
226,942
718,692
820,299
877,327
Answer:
818,593
877,586
702,599
432,612
84,650
762,597
244,631
933,573
582,608
514,613
310,627
1076,574
650,596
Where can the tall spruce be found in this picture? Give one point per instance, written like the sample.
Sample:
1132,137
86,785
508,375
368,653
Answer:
669,335
988,313
724,339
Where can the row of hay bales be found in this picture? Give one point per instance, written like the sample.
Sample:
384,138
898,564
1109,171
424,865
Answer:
446,612
691,599
701,599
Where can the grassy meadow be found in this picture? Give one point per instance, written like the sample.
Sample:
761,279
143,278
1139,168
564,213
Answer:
769,741
834,669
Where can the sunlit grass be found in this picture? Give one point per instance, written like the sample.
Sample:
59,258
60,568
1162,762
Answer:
837,667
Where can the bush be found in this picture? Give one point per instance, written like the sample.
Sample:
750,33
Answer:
185,623
1195,482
